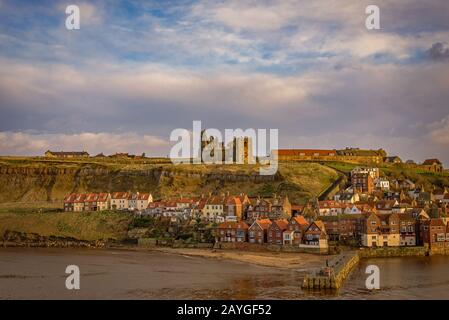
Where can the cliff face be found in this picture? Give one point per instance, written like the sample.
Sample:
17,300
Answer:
53,183
31,182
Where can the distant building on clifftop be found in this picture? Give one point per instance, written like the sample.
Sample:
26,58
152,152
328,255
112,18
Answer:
66,154
354,155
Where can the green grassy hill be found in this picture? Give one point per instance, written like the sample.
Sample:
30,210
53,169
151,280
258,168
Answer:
78,225
398,171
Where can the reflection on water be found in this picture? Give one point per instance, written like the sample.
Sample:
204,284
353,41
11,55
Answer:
402,278
108,274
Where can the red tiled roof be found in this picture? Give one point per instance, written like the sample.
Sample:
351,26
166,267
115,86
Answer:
70,198
215,200
281,223
120,195
234,201
91,197
69,153
429,162
143,196
103,196
201,204
300,220
156,204
330,204
233,225
264,223
80,197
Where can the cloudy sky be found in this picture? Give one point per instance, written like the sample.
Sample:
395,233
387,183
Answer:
137,70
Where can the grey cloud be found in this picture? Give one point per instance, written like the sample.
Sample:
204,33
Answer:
438,52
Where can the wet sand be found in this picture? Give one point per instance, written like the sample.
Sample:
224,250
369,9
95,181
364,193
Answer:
283,260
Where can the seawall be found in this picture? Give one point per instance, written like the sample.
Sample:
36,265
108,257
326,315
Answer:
337,270
333,275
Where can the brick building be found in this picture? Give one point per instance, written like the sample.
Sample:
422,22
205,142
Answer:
258,231
232,231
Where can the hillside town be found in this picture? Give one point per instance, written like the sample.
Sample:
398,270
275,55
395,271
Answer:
372,211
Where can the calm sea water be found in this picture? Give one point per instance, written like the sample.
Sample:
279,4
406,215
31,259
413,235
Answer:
121,274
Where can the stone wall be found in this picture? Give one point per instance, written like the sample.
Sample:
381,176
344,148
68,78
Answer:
392,252
337,271
153,242
245,246
439,251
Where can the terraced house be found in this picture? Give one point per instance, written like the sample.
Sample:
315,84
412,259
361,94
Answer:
232,231
139,201
315,236
381,230
407,229
97,201
214,208
87,202
346,227
276,231
435,233
258,231
105,201
277,207
120,200
295,230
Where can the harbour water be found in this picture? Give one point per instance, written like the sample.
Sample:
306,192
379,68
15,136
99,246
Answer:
122,274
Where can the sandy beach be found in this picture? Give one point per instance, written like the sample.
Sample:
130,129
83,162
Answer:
283,260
